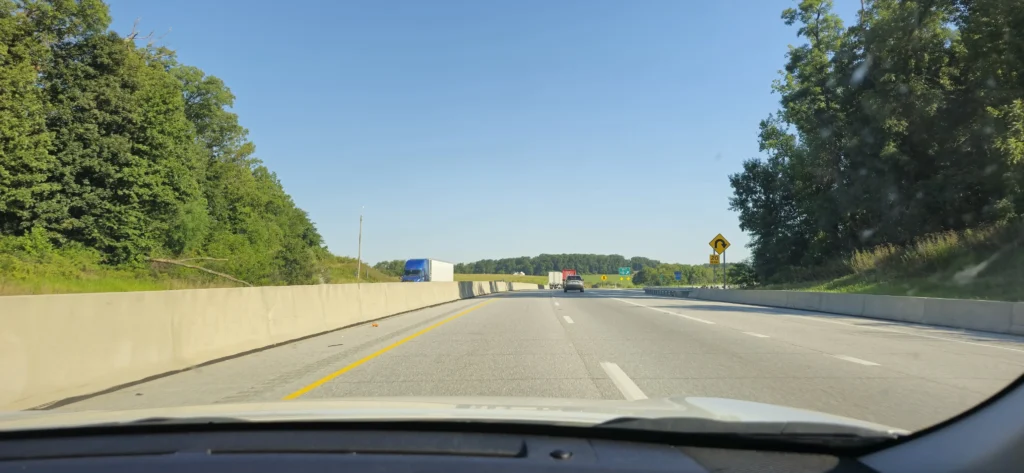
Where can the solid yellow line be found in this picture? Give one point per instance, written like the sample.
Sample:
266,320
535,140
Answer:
325,379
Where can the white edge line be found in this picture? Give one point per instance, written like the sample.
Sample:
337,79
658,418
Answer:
856,360
626,386
758,335
568,319
669,312
823,317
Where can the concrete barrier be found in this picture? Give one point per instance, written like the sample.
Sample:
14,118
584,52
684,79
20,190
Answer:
906,309
55,347
776,298
849,304
669,291
1017,324
988,316
522,286
803,300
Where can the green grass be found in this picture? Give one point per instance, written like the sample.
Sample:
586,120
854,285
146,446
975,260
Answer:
30,264
61,275
985,263
342,270
99,283
502,277
96,278
613,281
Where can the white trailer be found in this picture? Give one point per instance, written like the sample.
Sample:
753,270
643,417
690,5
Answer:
554,279
441,271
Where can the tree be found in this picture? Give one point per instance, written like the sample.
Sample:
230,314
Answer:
765,195
25,162
541,264
397,267
28,28
126,151
909,122
128,164
742,274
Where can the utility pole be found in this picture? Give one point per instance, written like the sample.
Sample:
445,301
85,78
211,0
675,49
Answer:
359,252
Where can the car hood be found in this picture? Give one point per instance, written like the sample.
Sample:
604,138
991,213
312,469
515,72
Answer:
576,412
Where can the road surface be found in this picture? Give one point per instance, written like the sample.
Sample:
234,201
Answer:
616,344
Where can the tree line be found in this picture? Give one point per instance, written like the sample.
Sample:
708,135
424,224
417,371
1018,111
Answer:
739,274
908,122
120,148
690,275
539,265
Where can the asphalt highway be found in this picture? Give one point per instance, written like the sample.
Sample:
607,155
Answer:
616,344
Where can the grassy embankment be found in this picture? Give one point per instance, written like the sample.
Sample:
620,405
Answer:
32,266
613,281
985,263
343,270
61,274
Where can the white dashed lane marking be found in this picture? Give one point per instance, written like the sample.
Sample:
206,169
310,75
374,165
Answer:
626,386
695,319
856,360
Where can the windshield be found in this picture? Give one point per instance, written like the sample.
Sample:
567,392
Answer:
812,205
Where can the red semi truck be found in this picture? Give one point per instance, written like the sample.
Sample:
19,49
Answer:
568,272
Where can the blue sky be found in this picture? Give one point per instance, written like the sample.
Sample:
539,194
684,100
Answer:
486,129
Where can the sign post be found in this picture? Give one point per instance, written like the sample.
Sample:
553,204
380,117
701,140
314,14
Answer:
714,273
720,244
714,261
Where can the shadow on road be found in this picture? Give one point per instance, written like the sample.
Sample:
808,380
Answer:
744,308
866,325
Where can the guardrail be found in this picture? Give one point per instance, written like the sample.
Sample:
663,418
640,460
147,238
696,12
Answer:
55,347
988,316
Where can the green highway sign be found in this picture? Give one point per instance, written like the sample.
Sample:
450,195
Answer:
624,271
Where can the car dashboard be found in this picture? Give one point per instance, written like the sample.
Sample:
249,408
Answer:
277,450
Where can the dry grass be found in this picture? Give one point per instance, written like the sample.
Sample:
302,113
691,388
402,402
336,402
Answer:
983,263
31,265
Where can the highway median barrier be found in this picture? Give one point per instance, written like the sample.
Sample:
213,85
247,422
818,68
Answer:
904,309
1017,323
56,347
986,316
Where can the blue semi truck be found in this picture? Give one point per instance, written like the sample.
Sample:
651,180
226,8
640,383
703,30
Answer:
428,270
